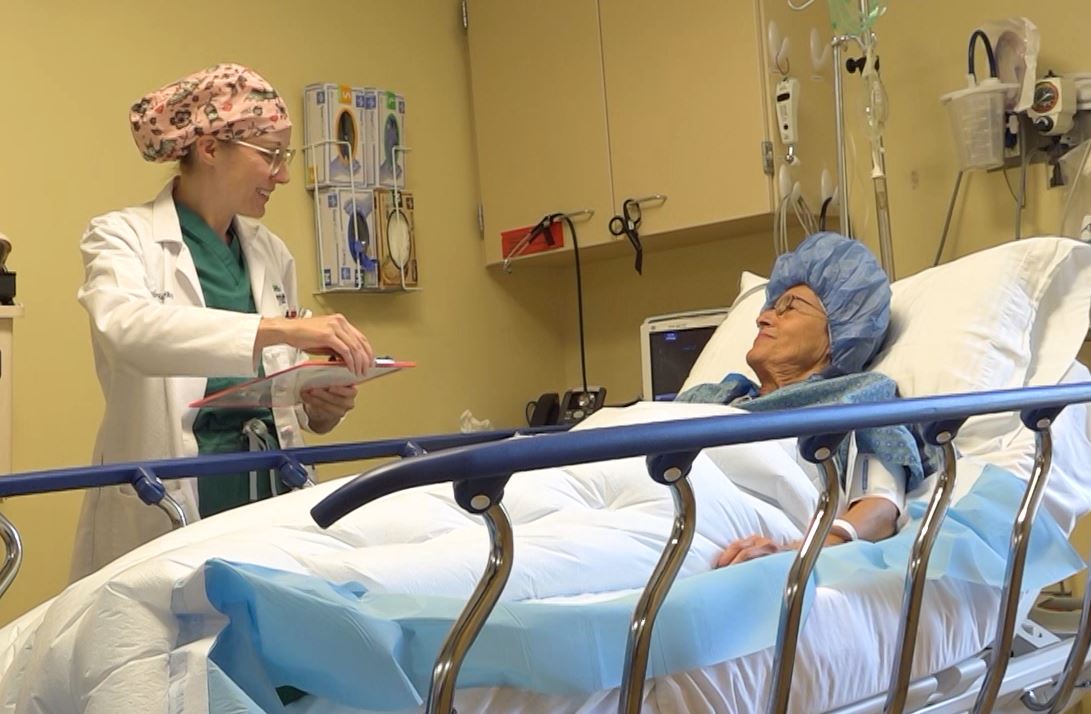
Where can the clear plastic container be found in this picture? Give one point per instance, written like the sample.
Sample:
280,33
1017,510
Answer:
977,123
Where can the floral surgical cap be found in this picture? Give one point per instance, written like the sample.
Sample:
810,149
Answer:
854,291
228,101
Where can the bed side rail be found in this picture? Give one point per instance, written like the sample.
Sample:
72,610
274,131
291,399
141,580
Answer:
672,446
1038,420
129,473
940,434
147,477
491,460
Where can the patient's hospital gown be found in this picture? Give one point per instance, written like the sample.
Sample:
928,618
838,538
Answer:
893,460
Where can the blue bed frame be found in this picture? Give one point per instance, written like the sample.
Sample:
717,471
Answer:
479,465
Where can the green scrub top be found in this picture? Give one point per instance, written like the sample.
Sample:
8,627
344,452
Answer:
225,283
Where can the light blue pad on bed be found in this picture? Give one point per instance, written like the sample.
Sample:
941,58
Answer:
376,651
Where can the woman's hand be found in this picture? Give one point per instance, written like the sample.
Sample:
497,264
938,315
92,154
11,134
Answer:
749,548
327,333
758,546
873,517
326,406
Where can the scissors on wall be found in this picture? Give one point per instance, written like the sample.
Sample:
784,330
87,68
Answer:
627,223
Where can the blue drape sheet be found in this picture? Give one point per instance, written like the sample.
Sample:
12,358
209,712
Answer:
376,651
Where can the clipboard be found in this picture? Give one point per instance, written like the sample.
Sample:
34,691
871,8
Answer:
283,388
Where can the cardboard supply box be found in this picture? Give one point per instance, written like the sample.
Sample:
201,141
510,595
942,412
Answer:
396,252
346,231
384,129
333,135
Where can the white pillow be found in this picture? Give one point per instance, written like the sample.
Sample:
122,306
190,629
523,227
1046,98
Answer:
1007,317
991,320
1010,316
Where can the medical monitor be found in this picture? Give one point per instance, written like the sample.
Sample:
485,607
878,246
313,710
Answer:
670,345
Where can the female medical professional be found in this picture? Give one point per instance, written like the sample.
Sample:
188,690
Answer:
188,294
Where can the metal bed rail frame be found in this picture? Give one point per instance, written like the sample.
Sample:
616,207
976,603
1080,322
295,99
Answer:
480,472
147,477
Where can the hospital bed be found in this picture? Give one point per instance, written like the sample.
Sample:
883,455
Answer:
121,638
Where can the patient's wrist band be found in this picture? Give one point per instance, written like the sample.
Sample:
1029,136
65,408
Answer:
847,528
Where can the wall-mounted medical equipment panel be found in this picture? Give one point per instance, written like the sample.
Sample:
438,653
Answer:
799,76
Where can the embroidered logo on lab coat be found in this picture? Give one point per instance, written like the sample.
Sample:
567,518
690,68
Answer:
162,295
278,292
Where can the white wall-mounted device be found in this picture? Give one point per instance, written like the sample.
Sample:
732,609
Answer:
787,100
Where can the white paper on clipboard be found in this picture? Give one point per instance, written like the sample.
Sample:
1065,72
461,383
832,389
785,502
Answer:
283,388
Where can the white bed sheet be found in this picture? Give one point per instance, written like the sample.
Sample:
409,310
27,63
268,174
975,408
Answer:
110,642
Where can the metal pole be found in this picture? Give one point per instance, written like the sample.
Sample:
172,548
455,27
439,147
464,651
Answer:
791,611
640,629
839,124
1017,560
441,694
13,557
915,578
882,214
173,510
1056,702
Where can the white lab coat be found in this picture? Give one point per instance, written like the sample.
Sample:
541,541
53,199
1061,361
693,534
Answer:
155,345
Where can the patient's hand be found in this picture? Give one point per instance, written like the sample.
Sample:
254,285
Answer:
757,546
749,548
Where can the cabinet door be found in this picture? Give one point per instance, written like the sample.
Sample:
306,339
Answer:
539,114
685,108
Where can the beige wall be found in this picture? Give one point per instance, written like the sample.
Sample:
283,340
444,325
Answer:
70,71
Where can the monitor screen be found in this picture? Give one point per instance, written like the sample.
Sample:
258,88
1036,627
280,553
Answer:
673,353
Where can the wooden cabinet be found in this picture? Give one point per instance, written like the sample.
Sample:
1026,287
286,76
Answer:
8,314
583,103
539,113
684,109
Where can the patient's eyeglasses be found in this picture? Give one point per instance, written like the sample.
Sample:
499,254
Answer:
278,158
788,301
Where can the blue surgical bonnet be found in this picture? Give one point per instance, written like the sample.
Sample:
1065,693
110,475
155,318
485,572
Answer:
854,291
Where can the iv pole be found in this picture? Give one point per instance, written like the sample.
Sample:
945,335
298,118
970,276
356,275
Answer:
878,172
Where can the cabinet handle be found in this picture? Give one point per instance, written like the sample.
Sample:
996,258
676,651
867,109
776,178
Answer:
655,197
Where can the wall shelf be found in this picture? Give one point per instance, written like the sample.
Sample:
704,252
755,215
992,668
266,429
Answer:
619,247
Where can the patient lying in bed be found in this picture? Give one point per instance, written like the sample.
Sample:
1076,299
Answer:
826,314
